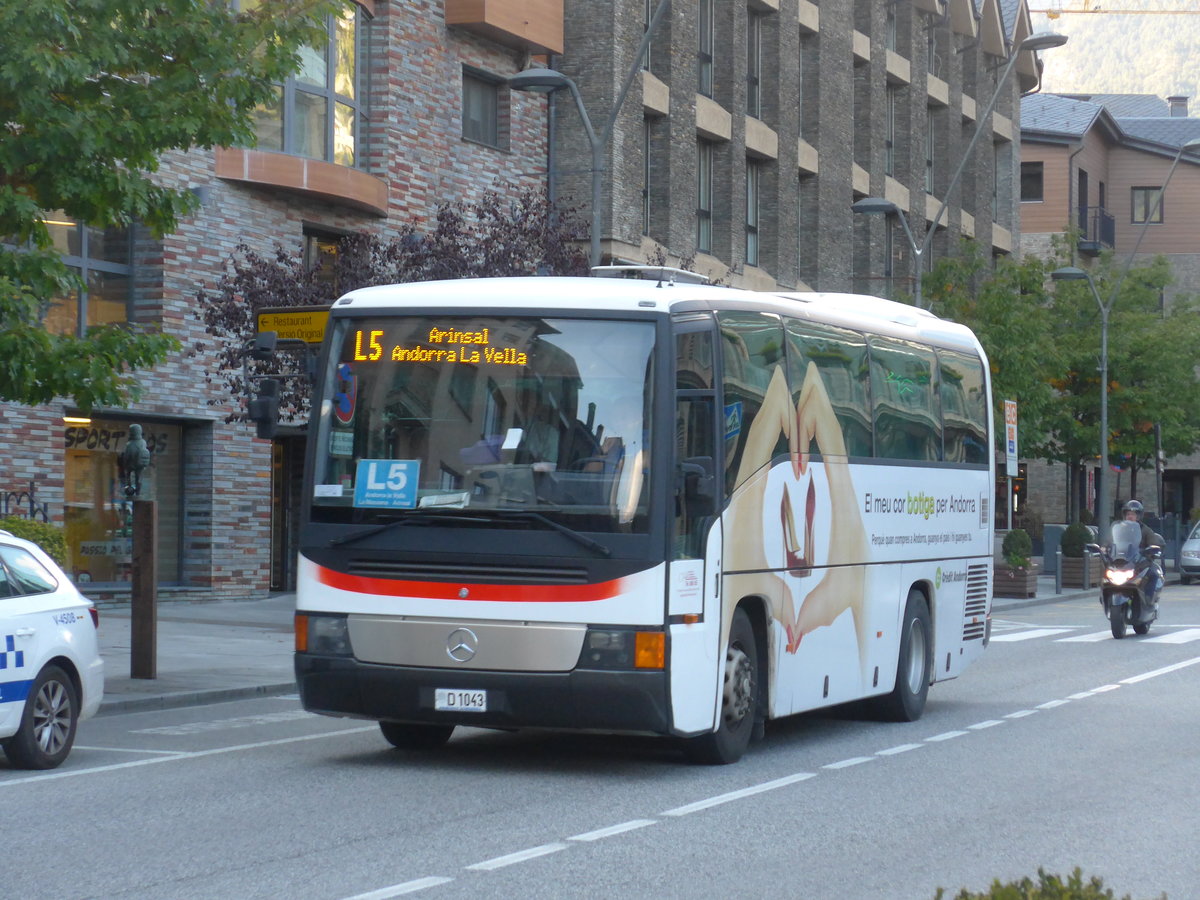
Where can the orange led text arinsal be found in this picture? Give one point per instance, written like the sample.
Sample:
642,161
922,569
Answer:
466,349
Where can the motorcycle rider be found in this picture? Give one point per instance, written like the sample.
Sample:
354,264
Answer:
1132,512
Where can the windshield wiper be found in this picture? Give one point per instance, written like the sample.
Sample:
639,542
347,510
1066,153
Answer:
578,537
423,518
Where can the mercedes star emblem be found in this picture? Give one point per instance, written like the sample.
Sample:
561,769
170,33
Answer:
462,645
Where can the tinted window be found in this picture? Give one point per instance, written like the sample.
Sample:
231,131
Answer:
907,419
964,407
25,574
752,347
841,358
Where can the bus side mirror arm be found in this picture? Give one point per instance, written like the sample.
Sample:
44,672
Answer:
697,478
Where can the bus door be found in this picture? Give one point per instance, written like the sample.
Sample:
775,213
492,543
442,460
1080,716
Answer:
694,605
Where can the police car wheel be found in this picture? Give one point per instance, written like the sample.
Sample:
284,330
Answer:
47,724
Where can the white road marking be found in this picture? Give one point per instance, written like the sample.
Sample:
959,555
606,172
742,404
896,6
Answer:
132,750
1029,635
847,763
398,890
1085,638
510,859
990,723
613,830
224,724
198,754
1021,713
1051,704
1177,637
892,751
1163,671
1103,689
738,795
1082,695
945,736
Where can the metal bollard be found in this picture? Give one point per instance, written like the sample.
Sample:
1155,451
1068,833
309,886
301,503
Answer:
1087,570
1058,572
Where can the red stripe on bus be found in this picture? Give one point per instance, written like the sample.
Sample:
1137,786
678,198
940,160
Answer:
489,593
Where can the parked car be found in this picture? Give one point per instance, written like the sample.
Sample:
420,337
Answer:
51,672
1189,557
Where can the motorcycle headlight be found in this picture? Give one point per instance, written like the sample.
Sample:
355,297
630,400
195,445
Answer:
1118,576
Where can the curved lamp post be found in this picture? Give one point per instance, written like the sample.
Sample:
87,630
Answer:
879,205
1073,273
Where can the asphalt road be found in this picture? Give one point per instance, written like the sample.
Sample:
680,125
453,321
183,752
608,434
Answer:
1061,748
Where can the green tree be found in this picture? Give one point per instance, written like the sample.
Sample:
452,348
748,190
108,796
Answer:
92,93
1151,367
1008,308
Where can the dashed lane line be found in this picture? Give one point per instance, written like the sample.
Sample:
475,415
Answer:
399,890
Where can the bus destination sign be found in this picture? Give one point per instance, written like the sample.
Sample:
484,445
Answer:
440,346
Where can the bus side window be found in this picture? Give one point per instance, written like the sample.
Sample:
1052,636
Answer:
841,358
752,349
695,441
907,414
964,407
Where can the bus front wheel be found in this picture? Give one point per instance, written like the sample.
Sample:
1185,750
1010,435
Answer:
739,700
407,736
906,702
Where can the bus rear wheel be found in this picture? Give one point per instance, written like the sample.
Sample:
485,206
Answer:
407,736
739,700
906,702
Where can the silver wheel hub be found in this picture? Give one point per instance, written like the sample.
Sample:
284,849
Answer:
51,717
916,656
739,686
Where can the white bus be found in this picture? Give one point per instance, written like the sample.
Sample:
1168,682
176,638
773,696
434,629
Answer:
639,506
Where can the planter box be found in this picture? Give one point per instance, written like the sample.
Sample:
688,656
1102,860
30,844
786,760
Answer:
1072,571
1008,582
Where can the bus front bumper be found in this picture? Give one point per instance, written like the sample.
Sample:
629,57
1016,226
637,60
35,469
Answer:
583,699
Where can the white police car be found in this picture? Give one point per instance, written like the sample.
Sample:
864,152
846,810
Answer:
51,673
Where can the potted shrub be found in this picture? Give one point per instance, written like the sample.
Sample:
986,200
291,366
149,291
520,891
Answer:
1075,562
1018,576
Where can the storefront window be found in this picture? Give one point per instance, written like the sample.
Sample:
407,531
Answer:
99,517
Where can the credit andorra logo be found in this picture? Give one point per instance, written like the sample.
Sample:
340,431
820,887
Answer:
941,577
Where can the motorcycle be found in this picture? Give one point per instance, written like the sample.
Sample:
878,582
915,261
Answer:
1132,579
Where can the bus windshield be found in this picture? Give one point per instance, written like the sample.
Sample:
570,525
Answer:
474,415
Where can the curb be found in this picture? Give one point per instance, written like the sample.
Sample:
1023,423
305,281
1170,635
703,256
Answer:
183,699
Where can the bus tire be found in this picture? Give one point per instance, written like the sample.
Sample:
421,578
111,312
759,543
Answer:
407,736
914,664
739,700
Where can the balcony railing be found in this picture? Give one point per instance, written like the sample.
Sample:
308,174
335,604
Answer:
1098,230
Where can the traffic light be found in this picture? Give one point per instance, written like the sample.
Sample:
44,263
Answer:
264,408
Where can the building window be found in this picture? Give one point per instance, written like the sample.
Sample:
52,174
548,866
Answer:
98,517
753,179
704,197
321,254
647,15
1031,182
889,138
320,111
481,108
1147,205
930,144
103,260
704,54
754,65
645,176
889,28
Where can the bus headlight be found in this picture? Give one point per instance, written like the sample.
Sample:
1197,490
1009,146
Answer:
622,648
322,635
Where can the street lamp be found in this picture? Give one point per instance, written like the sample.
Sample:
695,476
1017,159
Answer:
1072,273
547,81
1035,42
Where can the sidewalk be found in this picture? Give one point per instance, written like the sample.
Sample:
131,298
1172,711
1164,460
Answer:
206,652
212,651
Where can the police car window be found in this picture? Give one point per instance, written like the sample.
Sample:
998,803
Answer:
26,574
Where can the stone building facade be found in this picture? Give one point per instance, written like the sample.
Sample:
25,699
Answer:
744,140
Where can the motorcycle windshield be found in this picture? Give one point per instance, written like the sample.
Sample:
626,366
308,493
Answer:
1126,540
